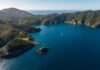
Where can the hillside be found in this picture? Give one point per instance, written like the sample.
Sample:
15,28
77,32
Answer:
90,18
20,17
13,21
16,16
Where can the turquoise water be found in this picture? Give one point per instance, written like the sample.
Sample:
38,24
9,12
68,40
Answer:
70,48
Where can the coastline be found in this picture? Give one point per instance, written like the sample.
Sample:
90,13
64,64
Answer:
17,46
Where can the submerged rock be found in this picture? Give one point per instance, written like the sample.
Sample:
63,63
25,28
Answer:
42,50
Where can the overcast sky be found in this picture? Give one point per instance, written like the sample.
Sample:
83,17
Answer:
51,4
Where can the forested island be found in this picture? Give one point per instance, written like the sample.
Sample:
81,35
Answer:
15,25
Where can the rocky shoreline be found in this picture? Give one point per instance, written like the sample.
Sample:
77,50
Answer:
22,43
42,50
13,55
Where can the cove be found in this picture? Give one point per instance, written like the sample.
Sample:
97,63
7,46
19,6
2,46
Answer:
70,48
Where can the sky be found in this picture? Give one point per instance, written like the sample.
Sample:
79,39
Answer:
51,4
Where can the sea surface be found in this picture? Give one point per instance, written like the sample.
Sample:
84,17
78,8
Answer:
70,48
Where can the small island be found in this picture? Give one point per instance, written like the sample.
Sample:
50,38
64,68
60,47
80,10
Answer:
42,50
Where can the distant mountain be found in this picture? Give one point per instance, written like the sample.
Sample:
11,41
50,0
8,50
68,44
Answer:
45,12
21,17
16,16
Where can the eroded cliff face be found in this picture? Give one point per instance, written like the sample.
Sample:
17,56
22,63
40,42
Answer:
90,18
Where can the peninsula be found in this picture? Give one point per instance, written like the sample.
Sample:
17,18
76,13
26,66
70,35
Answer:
14,28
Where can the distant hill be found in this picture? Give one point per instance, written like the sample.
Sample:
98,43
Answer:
16,16
45,12
90,18
21,17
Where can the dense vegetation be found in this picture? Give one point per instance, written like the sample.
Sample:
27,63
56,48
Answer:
14,27
13,21
90,18
18,45
21,40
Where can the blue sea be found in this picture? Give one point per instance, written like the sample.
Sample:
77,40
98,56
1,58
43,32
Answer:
70,48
